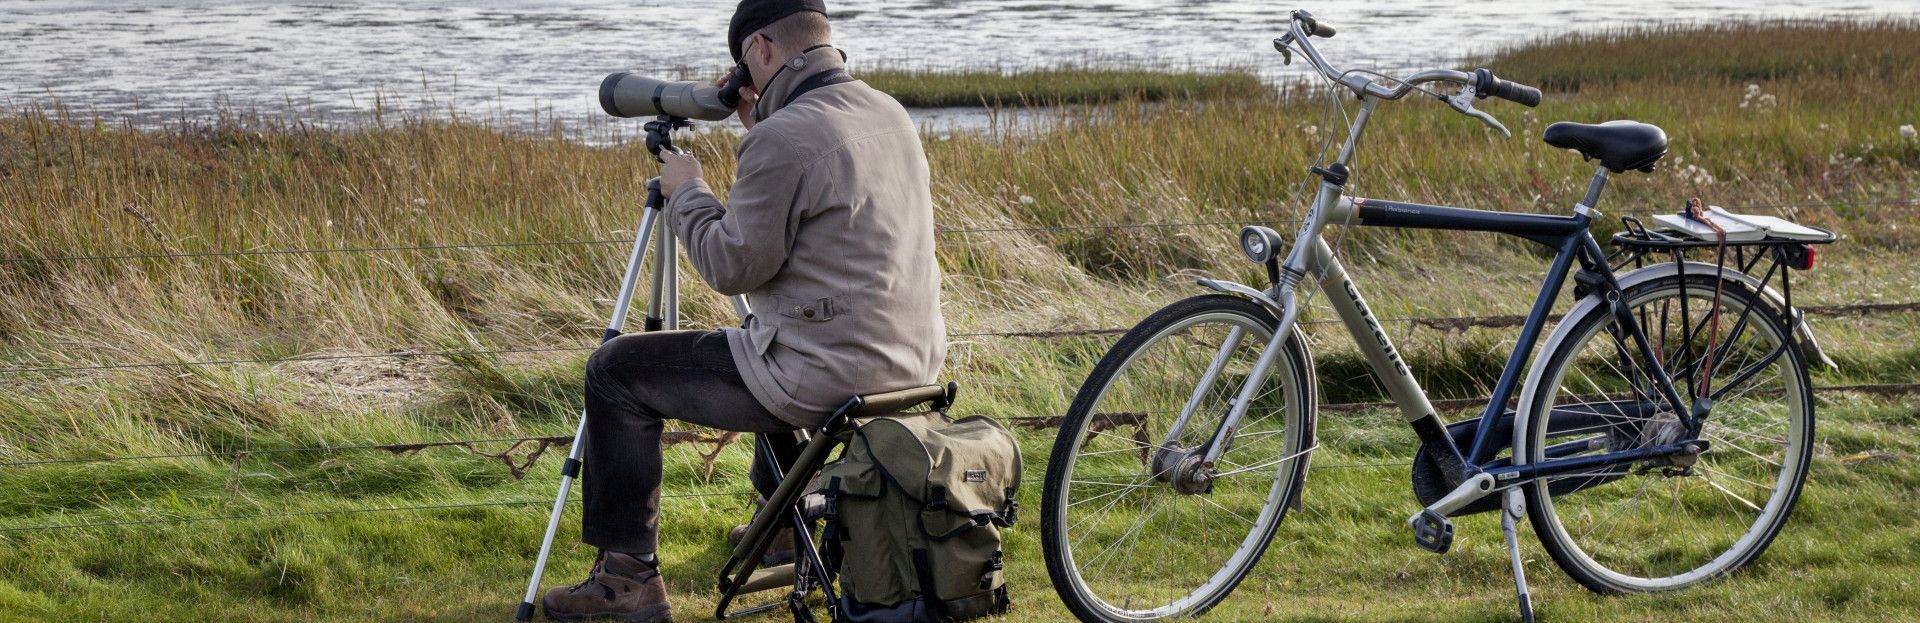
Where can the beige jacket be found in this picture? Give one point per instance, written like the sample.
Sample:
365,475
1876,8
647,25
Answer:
829,232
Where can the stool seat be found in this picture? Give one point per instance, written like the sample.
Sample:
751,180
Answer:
900,400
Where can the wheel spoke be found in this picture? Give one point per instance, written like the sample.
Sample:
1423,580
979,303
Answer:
1716,486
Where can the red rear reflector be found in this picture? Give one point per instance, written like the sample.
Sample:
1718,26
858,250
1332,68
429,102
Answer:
1810,255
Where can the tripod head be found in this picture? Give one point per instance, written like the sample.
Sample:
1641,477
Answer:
660,133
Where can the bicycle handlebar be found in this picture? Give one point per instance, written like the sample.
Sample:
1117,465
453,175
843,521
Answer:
1485,84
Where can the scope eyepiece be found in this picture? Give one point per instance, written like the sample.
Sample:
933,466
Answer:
730,91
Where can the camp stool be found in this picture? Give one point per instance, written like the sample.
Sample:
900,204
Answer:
743,574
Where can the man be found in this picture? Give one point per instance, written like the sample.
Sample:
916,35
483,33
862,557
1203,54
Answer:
828,230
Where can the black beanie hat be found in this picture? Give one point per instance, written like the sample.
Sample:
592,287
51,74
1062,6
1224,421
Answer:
753,15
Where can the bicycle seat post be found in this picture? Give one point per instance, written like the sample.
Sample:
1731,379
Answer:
1592,200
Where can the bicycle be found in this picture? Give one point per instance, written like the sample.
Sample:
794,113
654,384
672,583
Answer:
1640,473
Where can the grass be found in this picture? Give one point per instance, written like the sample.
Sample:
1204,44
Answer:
1066,84
73,187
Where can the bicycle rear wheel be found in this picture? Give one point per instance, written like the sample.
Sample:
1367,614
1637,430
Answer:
1128,535
1666,524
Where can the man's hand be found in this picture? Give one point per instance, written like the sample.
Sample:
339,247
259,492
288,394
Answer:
676,168
748,97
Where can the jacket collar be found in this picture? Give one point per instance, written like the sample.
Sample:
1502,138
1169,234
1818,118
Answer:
818,61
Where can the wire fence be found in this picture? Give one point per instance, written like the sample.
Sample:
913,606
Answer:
1442,323
722,439
945,231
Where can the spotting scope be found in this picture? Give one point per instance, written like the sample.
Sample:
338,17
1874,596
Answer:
629,94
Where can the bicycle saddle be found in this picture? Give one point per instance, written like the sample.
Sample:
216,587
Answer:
1620,145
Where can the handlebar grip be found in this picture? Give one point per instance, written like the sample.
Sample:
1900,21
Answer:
1486,84
1314,28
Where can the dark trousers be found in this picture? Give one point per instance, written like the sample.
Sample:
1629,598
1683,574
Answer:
634,384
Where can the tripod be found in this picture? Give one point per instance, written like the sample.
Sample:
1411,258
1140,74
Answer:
663,312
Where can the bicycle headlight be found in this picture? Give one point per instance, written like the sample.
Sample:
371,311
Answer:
1259,243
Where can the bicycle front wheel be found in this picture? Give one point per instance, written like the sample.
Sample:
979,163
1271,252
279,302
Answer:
1674,522
1135,526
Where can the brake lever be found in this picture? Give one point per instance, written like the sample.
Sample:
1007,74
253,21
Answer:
1463,104
1286,53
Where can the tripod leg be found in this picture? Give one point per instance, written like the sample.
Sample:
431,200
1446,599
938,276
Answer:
740,307
670,253
655,321
571,469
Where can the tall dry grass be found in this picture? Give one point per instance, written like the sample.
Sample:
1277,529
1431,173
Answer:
76,188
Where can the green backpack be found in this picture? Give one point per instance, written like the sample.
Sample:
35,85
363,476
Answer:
915,505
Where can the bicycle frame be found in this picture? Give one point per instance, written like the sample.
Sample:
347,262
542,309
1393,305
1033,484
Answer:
1312,256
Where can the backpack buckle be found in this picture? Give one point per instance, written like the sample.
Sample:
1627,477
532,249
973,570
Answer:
994,565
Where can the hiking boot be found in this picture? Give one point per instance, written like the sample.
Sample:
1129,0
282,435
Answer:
780,552
620,588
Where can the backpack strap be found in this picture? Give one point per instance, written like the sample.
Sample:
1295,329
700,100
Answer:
832,533
924,568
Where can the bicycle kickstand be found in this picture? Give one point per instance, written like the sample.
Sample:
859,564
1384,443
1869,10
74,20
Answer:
1512,508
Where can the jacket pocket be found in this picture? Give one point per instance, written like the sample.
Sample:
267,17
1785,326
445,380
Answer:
761,335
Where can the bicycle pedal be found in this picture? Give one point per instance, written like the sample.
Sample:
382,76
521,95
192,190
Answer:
1432,531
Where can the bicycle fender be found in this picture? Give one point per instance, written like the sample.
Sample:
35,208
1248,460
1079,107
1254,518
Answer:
1273,306
1294,497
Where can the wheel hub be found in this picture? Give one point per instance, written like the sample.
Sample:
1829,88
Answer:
1186,469
1666,429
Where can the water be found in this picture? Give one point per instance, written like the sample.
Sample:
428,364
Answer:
520,62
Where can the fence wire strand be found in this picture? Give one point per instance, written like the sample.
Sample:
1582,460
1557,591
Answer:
938,231
1878,389
1442,323
342,511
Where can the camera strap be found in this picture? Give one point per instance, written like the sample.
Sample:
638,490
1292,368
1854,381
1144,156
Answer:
826,78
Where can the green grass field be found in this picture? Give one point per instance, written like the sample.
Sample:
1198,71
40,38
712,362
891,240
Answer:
1754,122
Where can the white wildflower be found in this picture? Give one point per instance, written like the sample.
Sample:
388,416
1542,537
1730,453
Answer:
1695,174
1907,132
1756,100
1026,199
420,201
